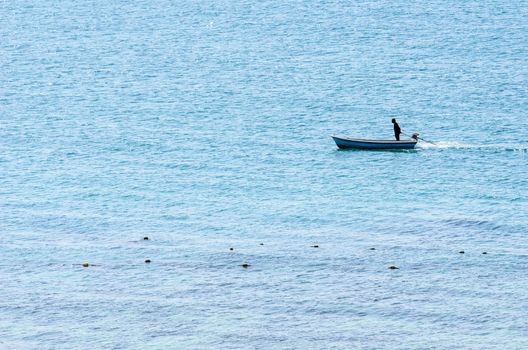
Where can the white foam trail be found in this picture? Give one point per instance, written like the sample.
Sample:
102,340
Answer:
459,145
442,144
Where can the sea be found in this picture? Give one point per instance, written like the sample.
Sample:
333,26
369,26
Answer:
205,126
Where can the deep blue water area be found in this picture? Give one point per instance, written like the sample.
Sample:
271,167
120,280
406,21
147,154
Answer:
206,126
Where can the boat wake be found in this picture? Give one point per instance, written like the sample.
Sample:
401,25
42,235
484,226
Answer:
507,147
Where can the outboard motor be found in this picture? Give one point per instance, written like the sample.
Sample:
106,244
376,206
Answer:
415,136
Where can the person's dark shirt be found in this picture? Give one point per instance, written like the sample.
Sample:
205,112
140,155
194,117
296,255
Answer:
397,131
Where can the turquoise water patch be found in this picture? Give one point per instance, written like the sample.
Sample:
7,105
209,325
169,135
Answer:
206,126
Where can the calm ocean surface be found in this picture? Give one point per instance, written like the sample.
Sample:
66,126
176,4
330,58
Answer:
205,126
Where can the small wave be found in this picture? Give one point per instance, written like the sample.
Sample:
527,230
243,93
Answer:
467,223
460,145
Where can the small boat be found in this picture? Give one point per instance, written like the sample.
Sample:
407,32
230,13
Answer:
346,142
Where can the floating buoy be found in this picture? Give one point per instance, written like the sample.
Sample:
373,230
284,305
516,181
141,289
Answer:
372,248
145,238
392,267
484,252
85,264
244,265
230,248
261,243
315,246
147,261
461,252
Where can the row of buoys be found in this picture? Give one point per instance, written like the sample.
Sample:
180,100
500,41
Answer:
392,267
147,261
246,265
463,252
86,264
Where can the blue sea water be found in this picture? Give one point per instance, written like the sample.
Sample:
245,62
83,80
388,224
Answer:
206,126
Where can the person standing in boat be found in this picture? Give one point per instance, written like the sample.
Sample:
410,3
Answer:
397,130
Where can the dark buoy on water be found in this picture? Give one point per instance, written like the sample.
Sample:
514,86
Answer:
261,243
145,238
245,265
315,246
372,248
230,248
147,261
85,264
461,252
484,252
392,267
